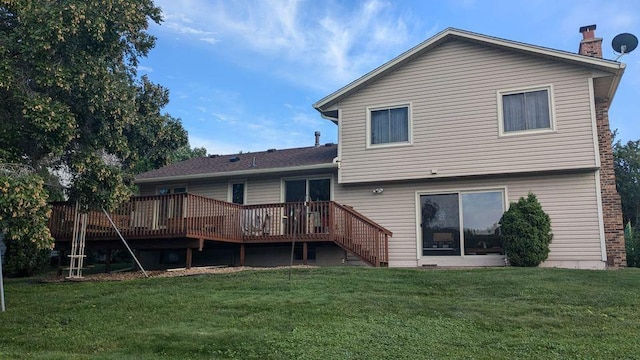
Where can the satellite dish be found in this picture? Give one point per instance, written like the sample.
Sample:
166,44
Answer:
624,43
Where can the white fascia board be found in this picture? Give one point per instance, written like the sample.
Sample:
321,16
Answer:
616,81
604,65
236,173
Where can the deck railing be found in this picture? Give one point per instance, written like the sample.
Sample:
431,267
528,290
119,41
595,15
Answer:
193,216
360,235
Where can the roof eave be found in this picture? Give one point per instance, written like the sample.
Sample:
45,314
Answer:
616,81
236,173
605,65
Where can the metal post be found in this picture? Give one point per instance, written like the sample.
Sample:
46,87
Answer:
125,243
1,282
293,240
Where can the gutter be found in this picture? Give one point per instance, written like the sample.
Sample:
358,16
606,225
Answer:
616,81
237,173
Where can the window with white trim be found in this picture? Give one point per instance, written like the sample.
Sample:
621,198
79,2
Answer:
390,125
528,110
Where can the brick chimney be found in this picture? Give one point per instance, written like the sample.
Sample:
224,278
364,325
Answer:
317,134
590,45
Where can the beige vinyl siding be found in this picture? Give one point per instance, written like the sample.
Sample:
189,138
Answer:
213,189
570,201
263,191
258,190
453,92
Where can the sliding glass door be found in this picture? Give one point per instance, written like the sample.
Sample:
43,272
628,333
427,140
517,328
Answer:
303,218
461,221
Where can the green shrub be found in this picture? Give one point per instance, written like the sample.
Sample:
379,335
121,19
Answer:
632,245
24,214
24,258
526,232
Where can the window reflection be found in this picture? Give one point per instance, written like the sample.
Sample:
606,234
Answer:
481,213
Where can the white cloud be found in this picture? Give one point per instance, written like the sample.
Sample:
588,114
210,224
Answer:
183,29
145,68
221,117
175,17
304,41
210,40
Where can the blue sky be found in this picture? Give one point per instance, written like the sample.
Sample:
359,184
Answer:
243,75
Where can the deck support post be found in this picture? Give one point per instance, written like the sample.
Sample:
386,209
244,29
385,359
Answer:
242,254
200,244
189,257
107,260
304,253
60,255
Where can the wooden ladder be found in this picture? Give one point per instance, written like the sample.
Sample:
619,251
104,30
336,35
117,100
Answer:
77,256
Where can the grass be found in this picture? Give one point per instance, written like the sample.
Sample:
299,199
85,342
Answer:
329,313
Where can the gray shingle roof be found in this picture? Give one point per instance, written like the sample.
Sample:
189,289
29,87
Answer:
218,165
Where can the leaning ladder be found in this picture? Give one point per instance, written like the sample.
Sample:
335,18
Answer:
76,258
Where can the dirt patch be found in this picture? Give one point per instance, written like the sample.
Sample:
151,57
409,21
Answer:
129,275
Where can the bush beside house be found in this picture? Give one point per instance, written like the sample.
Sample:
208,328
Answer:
526,232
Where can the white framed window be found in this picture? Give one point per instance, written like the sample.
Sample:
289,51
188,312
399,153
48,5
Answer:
307,188
527,110
172,189
389,125
237,192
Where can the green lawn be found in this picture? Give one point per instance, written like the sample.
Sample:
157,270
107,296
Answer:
330,313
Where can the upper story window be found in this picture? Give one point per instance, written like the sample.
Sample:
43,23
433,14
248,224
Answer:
389,125
525,111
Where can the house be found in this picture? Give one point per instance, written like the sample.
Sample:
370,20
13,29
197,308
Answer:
432,148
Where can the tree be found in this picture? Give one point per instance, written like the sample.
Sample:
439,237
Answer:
167,141
526,232
186,153
70,98
69,91
627,168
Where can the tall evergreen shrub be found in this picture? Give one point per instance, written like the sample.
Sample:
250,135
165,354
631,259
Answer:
632,244
526,232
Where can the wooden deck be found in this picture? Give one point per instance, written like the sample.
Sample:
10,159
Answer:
189,216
